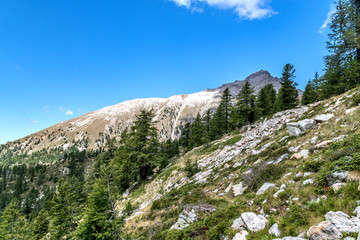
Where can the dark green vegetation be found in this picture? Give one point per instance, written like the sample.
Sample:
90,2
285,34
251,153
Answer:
72,194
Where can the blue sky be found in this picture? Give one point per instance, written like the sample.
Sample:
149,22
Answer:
60,59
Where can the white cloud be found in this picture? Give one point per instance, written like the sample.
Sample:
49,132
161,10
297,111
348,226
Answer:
35,122
68,112
61,109
245,9
328,18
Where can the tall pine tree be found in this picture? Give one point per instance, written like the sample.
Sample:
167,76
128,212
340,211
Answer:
287,97
221,119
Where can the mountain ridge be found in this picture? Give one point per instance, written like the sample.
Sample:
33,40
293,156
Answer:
92,130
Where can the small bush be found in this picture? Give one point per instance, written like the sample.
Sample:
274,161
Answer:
191,168
356,99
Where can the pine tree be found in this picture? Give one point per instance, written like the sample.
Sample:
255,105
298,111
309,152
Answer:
185,135
309,96
13,224
287,97
266,99
244,110
197,136
99,220
221,119
143,145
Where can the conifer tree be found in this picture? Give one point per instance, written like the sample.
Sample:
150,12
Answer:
143,144
221,119
198,131
13,224
99,220
287,96
244,110
266,99
309,96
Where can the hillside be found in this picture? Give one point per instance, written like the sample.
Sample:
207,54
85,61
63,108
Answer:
295,174
93,130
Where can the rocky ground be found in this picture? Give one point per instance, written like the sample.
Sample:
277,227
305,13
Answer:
265,181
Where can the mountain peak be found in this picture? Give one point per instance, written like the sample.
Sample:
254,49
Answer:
258,80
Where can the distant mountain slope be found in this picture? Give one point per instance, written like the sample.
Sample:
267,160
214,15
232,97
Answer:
93,129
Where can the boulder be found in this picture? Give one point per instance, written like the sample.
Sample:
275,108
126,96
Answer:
324,231
266,186
238,189
341,221
238,224
293,129
241,235
323,117
357,211
336,187
253,222
323,144
274,230
296,156
305,153
307,124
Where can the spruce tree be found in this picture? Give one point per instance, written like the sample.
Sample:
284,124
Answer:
198,131
13,224
287,97
143,144
266,99
309,96
221,119
244,110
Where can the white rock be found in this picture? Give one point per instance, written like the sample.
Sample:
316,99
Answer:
293,129
306,124
339,175
307,174
238,224
278,192
298,175
314,140
308,181
241,235
239,189
228,188
254,222
323,117
336,187
305,153
341,221
266,186
275,230
357,211
324,231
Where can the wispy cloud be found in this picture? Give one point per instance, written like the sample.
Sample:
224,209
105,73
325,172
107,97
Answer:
245,9
68,112
327,21
35,121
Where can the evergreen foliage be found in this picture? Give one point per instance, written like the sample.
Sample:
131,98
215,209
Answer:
266,99
287,97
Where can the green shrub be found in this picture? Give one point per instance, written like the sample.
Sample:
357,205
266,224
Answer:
263,173
356,99
313,165
191,168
